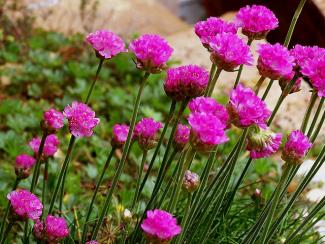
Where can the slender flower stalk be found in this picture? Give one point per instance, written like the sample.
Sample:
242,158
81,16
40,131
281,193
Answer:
185,216
267,90
45,180
319,126
213,82
259,84
140,170
240,70
313,123
312,101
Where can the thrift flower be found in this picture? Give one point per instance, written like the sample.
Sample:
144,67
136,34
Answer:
81,119
120,134
160,226
274,61
304,54
24,164
50,147
256,21
53,120
212,26
25,205
53,230
246,109
285,80
106,43
296,147
186,81
152,52
207,131
182,136
191,181
228,51
145,132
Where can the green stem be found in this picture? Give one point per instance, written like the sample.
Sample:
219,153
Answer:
213,82
267,90
123,159
259,84
212,72
249,42
317,130
313,123
45,178
99,182
6,232
94,81
308,111
184,219
140,170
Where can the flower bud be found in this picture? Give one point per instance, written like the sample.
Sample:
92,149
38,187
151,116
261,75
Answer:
120,134
52,121
191,181
127,215
145,132
24,164
181,137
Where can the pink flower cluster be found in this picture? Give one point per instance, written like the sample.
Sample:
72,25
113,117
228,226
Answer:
24,164
246,109
145,132
53,119
54,229
106,43
160,226
120,134
229,51
182,136
25,205
304,54
50,147
186,81
296,147
212,26
81,119
191,181
152,52
274,61
256,21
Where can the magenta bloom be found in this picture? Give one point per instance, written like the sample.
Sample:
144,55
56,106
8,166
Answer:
145,132
53,119
304,54
212,26
296,147
24,163
120,134
246,109
106,43
38,229
160,226
207,131
229,51
50,147
263,143
285,80
182,136
315,71
53,230
152,52
25,204
186,82
256,21
81,119
274,61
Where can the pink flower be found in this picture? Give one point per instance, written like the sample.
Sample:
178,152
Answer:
256,21
212,26
229,51
207,131
23,166
209,105
152,52
274,61
145,132
304,54
296,147
285,80
81,119
38,229
186,82
53,230
53,119
246,109
25,204
191,181
263,143
315,71
50,147
120,134
160,226
182,136
106,43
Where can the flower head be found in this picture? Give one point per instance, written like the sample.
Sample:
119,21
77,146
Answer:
212,26
229,51
23,166
207,131
106,43
182,136
53,120
263,143
25,205
256,21
296,147
186,81
274,61
160,226
304,54
246,109
120,134
285,80
191,181
53,229
152,52
81,119
145,132
50,147
38,229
